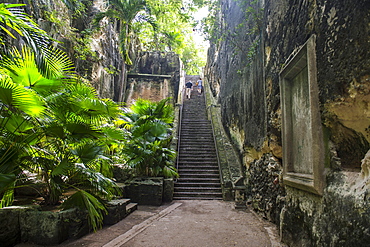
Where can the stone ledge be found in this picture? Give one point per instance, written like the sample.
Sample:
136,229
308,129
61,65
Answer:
30,224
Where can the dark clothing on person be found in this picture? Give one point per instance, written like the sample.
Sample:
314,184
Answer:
189,84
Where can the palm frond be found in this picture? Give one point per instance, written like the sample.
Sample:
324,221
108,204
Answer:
22,69
13,18
26,100
57,65
96,183
62,168
86,201
80,130
7,198
6,181
88,151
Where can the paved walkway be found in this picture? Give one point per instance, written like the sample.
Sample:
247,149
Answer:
190,223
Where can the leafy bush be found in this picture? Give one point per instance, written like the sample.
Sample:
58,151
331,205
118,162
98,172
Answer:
148,150
52,124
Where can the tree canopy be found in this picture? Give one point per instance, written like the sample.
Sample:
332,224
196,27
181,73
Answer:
159,25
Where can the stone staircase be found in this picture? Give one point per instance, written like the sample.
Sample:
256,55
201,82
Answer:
197,158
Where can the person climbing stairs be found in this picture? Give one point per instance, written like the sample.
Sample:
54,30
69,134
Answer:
197,158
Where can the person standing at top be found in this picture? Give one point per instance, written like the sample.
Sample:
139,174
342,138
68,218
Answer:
200,86
188,86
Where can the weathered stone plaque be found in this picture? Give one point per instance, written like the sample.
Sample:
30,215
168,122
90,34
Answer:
303,148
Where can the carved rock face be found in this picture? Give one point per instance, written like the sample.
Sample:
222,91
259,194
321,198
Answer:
365,166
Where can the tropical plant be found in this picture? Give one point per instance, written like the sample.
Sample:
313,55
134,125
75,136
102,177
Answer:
22,104
52,125
15,23
126,12
55,127
148,150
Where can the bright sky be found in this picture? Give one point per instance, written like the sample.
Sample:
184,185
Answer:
199,39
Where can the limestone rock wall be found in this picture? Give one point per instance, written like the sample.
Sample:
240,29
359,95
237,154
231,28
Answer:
154,76
254,41
95,54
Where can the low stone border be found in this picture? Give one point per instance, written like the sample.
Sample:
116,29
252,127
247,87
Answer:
150,190
30,224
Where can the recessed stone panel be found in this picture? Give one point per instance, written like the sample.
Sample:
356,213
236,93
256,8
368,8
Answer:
303,149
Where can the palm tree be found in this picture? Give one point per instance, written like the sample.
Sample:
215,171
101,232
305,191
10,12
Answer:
14,20
126,12
15,23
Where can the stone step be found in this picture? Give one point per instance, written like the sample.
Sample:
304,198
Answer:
197,146
197,139
198,180
193,149
191,159
199,194
198,184
118,209
198,189
197,151
194,130
198,160
196,198
198,169
191,117
131,207
192,124
194,155
184,163
197,175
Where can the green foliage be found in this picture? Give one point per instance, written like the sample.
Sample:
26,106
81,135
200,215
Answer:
112,70
244,37
193,59
14,20
78,7
148,150
86,201
54,126
210,25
